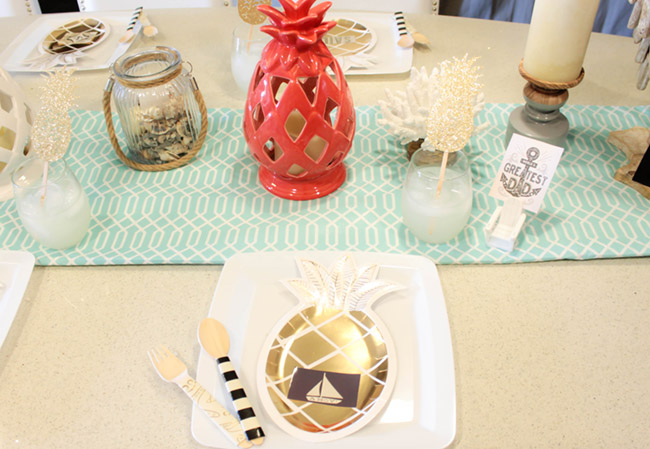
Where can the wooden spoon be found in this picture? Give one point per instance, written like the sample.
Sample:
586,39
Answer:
215,341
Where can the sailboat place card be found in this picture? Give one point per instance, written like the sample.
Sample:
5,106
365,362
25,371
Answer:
324,387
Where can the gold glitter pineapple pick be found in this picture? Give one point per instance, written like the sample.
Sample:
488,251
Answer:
247,10
451,121
52,127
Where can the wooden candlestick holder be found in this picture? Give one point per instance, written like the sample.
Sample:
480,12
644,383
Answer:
540,118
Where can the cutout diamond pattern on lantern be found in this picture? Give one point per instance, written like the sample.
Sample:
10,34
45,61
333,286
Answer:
315,148
278,86
332,73
272,150
296,170
295,124
309,87
7,138
331,111
258,116
5,102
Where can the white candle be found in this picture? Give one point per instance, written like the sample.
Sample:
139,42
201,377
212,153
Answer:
558,37
61,219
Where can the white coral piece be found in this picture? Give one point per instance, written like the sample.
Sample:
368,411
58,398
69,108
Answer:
405,112
343,286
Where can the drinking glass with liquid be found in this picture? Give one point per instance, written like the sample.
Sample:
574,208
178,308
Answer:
433,217
60,218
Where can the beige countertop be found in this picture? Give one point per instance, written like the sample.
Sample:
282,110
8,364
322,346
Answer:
548,354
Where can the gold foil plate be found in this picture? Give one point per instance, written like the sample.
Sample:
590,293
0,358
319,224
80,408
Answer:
327,339
80,34
349,37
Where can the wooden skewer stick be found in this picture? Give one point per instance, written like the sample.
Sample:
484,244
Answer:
443,167
405,40
250,37
441,179
44,191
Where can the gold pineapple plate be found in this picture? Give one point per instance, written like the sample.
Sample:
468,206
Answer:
330,364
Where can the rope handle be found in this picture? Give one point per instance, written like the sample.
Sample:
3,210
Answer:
108,116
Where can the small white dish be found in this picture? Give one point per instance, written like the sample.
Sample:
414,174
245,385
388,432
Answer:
15,270
250,299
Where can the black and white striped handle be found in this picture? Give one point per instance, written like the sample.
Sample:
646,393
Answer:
244,408
401,23
134,18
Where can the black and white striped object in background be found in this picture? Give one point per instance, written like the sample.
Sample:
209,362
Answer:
405,39
244,408
129,29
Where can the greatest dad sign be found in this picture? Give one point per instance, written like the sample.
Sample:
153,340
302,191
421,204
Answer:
526,171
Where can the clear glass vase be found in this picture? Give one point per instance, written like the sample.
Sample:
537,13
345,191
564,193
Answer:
433,217
60,218
246,51
154,99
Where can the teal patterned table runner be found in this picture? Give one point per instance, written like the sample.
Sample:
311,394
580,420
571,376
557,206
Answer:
215,207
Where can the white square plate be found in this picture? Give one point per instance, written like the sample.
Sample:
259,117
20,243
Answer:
15,270
249,300
25,45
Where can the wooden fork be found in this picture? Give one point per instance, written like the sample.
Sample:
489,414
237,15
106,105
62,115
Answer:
171,369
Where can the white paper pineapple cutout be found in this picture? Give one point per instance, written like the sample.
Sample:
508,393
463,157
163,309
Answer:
332,333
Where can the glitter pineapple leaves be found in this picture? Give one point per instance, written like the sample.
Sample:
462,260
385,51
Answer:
52,129
405,113
450,122
247,10
342,287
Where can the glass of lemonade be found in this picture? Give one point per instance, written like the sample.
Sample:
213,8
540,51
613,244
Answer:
60,219
247,45
431,217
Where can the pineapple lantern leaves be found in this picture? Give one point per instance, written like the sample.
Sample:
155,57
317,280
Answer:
299,117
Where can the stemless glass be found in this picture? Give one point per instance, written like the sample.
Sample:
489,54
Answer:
431,217
246,51
61,219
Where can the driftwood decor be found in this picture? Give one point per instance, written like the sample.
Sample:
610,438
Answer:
633,143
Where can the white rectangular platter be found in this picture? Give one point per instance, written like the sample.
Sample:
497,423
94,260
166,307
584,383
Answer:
15,270
25,45
250,299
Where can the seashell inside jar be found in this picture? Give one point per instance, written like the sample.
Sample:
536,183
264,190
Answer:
160,108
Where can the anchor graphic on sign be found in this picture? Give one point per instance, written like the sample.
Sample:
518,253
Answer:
517,185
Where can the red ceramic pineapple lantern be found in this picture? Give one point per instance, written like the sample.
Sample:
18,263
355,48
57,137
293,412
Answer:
299,118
